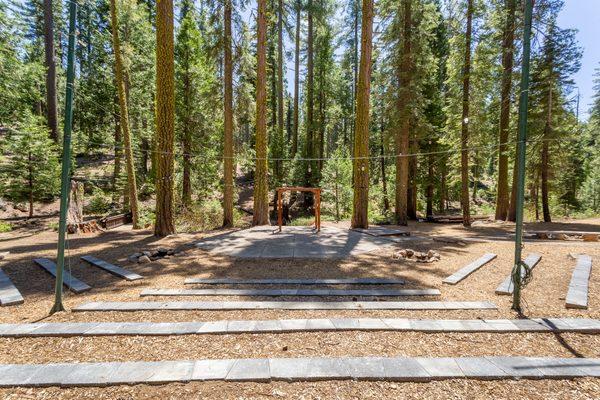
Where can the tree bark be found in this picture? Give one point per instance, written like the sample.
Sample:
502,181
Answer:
280,135
356,4
430,185
411,209
261,185
118,152
50,65
442,203
360,217
296,80
464,159
309,151
512,210
546,159
228,121
386,200
402,137
75,211
124,113
165,120
508,39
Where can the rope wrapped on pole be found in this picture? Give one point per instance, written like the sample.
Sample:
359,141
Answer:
66,162
521,151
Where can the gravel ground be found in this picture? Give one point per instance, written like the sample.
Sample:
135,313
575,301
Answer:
453,389
543,297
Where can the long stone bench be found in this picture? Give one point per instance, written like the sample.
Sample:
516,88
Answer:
74,284
507,287
290,292
469,269
307,281
577,295
113,269
9,294
69,329
418,369
285,305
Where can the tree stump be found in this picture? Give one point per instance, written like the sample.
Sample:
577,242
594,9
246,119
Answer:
75,211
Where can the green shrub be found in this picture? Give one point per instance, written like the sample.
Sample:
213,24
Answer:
5,227
100,203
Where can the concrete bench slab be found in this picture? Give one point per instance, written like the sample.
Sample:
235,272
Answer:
113,269
382,231
577,294
70,329
406,369
507,287
469,269
9,294
290,292
74,284
284,305
349,281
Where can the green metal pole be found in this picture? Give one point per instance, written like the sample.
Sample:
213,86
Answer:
66,162
521,149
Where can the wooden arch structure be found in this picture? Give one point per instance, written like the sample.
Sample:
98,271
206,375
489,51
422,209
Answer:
315,191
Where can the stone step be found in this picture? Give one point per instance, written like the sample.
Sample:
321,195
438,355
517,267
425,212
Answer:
284,305
577,295
507,287
289,292
406,369
469,269
9,294
113,269
68,329
349,281
74,284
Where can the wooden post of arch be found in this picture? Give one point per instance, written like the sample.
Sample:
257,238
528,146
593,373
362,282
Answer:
315,191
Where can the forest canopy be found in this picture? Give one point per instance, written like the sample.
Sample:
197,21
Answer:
398,110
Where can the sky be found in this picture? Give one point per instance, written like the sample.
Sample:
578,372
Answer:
583,15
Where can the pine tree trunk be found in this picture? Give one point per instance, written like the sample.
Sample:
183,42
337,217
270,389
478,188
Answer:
546,159
508,39
124,112
321,141
280,137
464,159
228,121
360,217
544,184
186,124
296,80
411,209
355,68
512,209
402,137
52,113
442,203
118,153
309,151
430,185
30,183
261,184
165,120
386,200
475,176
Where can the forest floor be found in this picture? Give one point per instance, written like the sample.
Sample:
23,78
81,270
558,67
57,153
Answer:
543,297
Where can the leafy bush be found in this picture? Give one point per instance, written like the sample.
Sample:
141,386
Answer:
199,217
100,203
5,227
